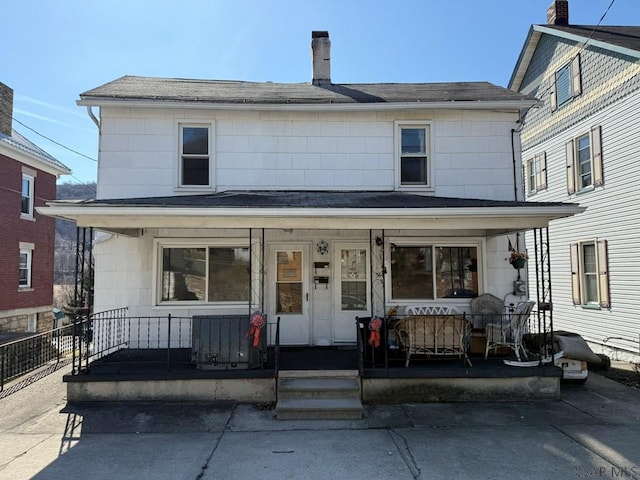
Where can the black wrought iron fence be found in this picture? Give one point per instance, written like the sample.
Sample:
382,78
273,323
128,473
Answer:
209,342
27,354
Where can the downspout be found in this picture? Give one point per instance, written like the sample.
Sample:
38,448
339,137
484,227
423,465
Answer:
92,116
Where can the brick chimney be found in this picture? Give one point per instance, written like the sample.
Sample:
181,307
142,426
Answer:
6,109
558,13
321,55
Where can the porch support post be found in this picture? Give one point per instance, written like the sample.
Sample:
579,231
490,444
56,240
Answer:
543,288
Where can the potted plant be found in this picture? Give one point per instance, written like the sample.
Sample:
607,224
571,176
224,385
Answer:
518,259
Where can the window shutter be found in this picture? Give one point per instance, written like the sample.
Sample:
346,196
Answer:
541,171
603,274
596,153
570,159
575,275
552,95
576,81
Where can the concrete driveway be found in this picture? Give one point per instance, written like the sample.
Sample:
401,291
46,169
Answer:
591,432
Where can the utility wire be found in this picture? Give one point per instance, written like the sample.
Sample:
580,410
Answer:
584,45
47,138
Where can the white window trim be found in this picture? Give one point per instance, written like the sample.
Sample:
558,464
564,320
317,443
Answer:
231,242
31,178
428,126
178,174
27,249
477,242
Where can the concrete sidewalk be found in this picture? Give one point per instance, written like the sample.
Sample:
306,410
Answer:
591,432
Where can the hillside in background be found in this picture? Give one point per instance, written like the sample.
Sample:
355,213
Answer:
65,250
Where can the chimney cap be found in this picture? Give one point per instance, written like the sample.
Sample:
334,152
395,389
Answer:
319,34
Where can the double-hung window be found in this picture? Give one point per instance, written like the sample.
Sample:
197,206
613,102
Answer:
204,273
25,265
413,155
566,84
26,207
195,169
584,161
536,173
428,271
590,273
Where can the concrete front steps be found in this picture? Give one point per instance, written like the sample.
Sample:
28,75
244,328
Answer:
318,395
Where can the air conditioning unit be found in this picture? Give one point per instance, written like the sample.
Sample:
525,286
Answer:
224,342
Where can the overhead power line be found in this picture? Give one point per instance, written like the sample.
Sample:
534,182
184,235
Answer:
48,138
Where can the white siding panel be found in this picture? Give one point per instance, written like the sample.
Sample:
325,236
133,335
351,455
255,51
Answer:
612,214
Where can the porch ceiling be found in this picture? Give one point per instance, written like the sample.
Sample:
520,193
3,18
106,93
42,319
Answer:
312,210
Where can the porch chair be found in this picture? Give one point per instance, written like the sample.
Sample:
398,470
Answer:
509,334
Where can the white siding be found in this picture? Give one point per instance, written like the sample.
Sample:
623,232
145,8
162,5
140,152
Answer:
612,214
279,150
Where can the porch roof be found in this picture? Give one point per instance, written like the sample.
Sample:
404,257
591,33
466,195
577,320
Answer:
311,209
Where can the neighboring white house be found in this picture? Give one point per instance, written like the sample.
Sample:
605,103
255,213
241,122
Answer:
579,145
314,202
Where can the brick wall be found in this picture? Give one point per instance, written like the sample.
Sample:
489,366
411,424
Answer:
40,232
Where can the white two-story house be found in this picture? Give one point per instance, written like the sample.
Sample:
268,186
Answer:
313,202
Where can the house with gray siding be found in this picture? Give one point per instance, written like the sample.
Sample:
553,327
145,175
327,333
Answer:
579,144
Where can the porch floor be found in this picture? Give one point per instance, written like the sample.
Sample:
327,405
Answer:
132,364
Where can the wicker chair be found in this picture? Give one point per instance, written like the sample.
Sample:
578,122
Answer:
509,334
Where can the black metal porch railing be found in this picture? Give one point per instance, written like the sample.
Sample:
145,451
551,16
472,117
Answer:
167,342
436,337
27,354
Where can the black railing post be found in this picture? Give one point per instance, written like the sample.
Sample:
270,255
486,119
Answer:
2,357
169,342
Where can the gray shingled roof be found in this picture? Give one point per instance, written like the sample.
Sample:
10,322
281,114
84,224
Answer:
21,143
237,92
314,199
621,36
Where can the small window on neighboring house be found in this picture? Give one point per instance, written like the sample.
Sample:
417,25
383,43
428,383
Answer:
567,84
536,173
413,156
24,272
590,273
26,208
584,161
195,156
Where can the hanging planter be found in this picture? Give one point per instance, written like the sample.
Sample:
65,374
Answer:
518,259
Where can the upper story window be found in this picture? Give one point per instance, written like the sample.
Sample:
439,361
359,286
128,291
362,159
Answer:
195,156
26,209
567,84
536,173
413,155
589,273
24,269
584,161
424,271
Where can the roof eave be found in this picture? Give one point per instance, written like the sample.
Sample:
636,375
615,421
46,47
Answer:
32,160
522,64
592,42
509,105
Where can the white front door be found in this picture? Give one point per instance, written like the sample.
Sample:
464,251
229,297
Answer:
351,289
288,295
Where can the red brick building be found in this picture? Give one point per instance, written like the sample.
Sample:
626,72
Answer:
27,180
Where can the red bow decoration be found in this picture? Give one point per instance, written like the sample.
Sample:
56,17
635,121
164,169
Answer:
257,322
374,325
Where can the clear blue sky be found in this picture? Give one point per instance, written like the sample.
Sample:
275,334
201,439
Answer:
53,50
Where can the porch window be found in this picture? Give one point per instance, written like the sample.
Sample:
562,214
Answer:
205,274
195,156
430,272
413,156
589,274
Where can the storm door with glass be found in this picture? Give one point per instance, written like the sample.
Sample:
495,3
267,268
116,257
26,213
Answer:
351,290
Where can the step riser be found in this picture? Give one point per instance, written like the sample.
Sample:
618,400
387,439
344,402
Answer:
282,394
319,415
